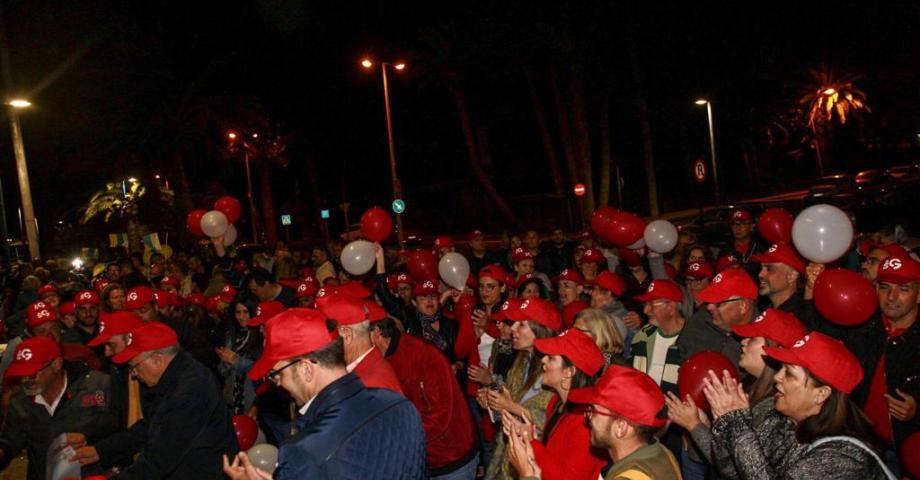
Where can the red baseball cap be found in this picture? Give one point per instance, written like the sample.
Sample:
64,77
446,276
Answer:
144,338
475,234
32,355
138,297
593,255
348,310
571,275
893,249
494,271
727,261
727,284
539,310
404,278
823,356
512,303
264,312
115,323
428,287
165,298
443,241
741,215
197,299
577,346
167,280
670,270
86,297
67,308
781,327
899,270
698,270
662,290
781,253
626,391
49,288
35,318
520,254
292,333
353,289
100,283
611,281
227,293
571,310
307,288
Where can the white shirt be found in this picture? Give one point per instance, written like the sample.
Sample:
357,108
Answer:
657,357
306,406
39,399
485,348
351,366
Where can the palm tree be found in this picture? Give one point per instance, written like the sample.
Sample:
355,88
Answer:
830,103
120,199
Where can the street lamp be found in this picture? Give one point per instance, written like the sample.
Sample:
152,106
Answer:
252,204
23,173
712,147
397,187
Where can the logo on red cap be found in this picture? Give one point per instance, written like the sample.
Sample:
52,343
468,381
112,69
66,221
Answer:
801,342
132,296
302,287
86,296
892,263
129,339
717,278
24,354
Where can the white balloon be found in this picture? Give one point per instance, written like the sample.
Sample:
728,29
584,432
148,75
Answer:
263,456
660,236
230,235
260,438
358,257
640,243
214,223
822,233
454,270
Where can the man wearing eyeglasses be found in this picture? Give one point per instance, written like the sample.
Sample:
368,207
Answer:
56,397
654,347
349,431
186,425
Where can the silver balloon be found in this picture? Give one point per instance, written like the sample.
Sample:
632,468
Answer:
263,456
640,243
660,236
822,233
230,235
260,438
454,270
358,257
214,223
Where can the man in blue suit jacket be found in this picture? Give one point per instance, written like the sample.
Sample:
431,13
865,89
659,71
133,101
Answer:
348,431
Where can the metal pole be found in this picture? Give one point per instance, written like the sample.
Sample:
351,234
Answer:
712,147
397,188
23,172
252,203
4,233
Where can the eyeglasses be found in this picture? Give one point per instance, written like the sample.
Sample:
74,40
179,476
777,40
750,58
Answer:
723,302
272,375
132,367
590,411
655,303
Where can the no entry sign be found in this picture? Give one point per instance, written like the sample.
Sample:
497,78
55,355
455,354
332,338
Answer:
699,170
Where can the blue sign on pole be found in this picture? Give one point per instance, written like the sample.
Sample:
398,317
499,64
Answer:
324,214
286,219
399,206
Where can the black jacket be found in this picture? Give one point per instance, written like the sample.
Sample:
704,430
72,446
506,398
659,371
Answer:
84,408
409,316
185,430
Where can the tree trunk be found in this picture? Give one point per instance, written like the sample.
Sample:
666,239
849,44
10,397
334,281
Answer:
580,136
268,205
562,113
603,191
543,128
645,125
183,198
469,138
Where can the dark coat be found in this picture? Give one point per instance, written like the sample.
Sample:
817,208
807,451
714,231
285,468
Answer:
185,431
352,432
84,408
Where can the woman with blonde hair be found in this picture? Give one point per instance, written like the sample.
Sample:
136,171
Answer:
599,325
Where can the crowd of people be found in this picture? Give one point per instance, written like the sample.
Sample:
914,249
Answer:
561,359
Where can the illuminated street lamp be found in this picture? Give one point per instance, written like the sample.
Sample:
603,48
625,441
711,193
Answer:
22,169
712,147
397,187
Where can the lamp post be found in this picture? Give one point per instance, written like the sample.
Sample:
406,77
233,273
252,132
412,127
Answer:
712,147
397,187
22,170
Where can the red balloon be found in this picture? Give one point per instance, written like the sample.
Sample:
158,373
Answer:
246,431
909,454
193,222
775,225
376,224
617,227
844,297
695,369
230,207
423,265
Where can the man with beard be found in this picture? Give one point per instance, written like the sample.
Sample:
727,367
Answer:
87,313
779,278
56,397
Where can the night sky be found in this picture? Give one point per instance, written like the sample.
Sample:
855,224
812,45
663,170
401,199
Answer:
118,86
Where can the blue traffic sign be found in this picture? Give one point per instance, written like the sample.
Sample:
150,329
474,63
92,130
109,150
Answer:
399,206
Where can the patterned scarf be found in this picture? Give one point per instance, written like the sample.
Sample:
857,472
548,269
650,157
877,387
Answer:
429,333
239,381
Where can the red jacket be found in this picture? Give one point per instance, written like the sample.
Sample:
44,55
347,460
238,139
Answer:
568,454
429,383
376,372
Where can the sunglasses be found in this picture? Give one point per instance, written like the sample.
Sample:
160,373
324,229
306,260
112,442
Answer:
272,375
